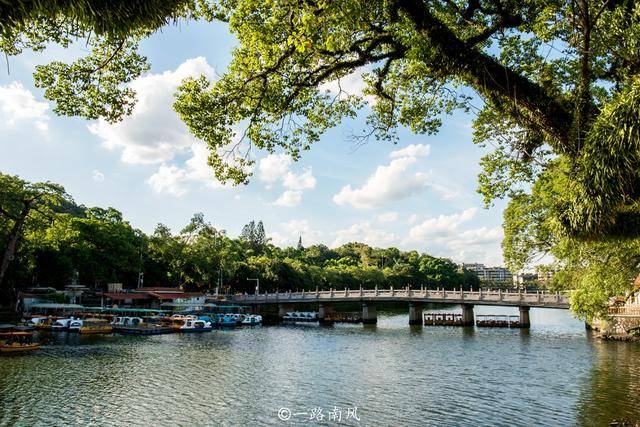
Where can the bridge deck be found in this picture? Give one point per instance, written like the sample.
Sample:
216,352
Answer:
481,297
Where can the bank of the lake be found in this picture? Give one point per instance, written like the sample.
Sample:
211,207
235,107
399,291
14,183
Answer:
556,373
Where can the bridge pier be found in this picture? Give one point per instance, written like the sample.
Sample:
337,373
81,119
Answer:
284,309
525,322
467,315
369,314
323,311
415,313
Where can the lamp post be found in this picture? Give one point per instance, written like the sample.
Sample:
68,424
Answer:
257,285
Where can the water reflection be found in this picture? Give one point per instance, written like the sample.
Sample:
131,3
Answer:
553,374
612,380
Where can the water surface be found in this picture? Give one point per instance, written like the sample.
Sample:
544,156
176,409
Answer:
554,374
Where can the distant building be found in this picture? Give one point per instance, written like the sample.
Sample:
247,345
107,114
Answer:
525,278
476,268
489,274
544,276
496,274
153,297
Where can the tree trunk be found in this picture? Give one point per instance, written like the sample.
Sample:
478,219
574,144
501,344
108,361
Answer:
492,79
8,254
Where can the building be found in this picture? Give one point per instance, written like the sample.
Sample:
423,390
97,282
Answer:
544,276
476,268
489,274
520,279
153,298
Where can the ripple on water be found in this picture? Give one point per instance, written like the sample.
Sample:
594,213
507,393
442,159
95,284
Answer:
394,374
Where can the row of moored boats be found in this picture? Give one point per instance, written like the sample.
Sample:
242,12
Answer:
144,325
20,339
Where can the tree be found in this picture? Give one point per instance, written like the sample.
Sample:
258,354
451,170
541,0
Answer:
23,206
594,269
255,236
580,101
260,235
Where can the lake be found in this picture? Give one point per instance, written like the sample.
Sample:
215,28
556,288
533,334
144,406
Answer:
390,374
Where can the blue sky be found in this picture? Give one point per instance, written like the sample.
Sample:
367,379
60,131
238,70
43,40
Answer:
418,194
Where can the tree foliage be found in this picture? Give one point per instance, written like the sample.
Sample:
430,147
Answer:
555,78
558,82
25,208
594,269
97,246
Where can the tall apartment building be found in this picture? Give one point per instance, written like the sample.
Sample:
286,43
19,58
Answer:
490,274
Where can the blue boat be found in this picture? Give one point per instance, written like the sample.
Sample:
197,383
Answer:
227,320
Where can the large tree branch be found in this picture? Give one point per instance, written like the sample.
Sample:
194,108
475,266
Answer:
491,79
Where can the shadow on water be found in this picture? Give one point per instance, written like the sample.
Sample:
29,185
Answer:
468,332
370,328
612,386
415,329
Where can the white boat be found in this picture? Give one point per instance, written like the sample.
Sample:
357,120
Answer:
252,319
197,325
75,325
40,322
61,324
122,321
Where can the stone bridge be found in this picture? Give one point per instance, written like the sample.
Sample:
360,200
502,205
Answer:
414,297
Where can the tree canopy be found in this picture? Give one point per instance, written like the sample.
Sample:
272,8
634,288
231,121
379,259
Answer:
556,79
62,242
558,84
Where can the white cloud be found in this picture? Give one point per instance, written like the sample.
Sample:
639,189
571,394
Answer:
478,245
444,236
153,133
274,167
294,229
289,199
175,180
97,176
387,217
351,84
387,184
301,181
442,225
18,104
414,218
277,168
365,233
169,179
413,150
446,192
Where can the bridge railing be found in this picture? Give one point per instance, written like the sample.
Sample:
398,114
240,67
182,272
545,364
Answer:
624,311
430,294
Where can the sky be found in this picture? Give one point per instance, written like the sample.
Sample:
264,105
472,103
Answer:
418,194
